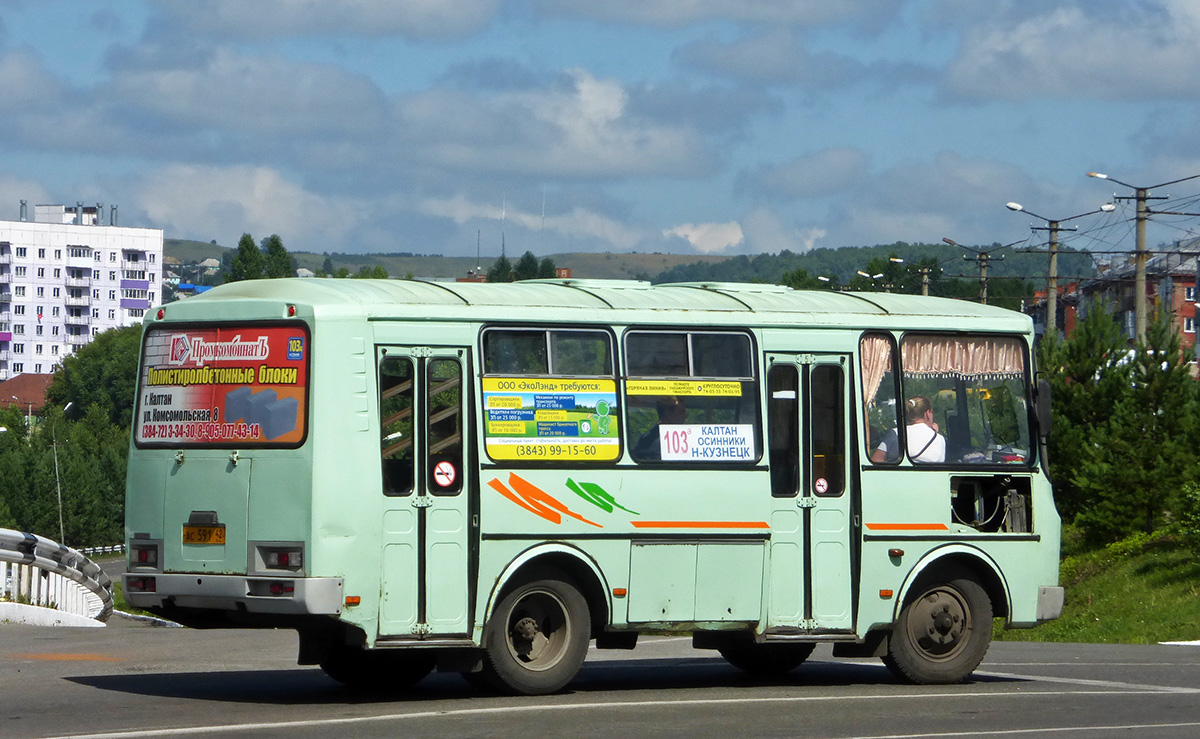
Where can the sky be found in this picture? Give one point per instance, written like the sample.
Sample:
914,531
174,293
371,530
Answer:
690,126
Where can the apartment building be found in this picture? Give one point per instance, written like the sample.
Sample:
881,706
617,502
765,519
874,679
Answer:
65,277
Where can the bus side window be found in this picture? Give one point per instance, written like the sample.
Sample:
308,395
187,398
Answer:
396,424
445,425
877,360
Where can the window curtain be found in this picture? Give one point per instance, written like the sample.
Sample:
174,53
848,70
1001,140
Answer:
954,356
875,354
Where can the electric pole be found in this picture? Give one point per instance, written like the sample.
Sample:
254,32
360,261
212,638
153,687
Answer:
1141,195
1052,226
982,257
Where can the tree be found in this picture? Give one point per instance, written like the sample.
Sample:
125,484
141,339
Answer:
500,271
327,267
248,263
526,267
1088,377
102,373
377,272
799,279
277,262
547,270
1133,470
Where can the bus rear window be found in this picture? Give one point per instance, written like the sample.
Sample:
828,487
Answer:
229,386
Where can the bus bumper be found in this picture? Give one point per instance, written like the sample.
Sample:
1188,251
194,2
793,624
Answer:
1050,603
269,595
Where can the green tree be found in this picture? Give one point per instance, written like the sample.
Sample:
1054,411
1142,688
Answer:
102,373
546,269
327,268
1133,470
247,263
800,279
500,271
1088,377
277,262
526,267
376,272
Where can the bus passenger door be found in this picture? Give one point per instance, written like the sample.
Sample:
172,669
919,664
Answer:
807,411
426,516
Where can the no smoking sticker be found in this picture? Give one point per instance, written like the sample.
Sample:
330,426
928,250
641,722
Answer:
444,474
821,485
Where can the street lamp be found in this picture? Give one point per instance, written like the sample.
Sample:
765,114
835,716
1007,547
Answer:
28,412
62,539
1141,195
1052,225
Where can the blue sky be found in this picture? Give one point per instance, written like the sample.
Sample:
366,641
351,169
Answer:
690,126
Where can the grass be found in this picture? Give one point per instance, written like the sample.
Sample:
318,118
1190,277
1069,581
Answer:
1143,590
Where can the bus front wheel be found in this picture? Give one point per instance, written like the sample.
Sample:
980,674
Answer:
943,631
537,637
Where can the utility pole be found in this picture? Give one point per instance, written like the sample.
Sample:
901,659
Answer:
1052,226
982,257
1141,195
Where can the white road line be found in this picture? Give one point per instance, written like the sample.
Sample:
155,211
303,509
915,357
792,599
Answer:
1086,681
1082,730
604,705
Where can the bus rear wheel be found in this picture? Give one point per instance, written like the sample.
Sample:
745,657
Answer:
764,659
943,631
377,670
537,638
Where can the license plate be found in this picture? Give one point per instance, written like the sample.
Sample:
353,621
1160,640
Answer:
204,534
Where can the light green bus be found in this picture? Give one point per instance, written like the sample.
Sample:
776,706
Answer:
485,478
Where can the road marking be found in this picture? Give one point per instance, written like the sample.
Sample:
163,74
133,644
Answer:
66,657
611,705
1084,730
1085,681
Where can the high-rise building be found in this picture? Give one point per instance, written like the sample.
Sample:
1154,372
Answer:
65,277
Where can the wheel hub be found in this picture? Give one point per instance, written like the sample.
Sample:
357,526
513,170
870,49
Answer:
940,623
525,629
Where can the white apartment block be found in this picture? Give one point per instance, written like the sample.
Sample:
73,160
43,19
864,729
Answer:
64,278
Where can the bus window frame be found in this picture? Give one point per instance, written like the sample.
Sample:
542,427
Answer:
1031,460
305,418
896,390
614,362
757,381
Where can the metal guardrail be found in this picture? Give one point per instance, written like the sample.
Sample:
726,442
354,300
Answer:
42,572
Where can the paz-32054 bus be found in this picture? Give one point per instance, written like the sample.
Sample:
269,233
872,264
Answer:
484,478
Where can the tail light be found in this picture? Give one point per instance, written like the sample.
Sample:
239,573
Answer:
141,584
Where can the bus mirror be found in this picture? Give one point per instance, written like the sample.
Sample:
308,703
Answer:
1043,406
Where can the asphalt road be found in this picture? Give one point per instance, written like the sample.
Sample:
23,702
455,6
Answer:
135,680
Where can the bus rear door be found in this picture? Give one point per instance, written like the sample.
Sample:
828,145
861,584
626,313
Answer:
811,526
426,513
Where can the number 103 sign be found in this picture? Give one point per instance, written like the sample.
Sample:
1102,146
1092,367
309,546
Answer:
706,442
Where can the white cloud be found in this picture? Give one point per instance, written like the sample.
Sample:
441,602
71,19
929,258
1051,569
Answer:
709,238
1145,52
24,83
15,189
778,56
271,18
686,12
222,203
577,224
766,232
581,128
817,174
257,94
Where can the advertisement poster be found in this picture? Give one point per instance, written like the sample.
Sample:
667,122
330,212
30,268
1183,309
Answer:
223,386
550,419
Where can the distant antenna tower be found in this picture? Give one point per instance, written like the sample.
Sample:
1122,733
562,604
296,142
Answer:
478,236
503,221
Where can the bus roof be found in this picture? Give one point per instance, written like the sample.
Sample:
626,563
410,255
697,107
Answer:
759,304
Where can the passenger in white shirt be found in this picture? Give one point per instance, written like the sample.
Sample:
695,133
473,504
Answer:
925,444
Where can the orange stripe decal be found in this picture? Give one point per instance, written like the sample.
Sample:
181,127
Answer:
700,524
907,527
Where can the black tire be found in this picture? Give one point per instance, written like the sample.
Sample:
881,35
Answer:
764,659
537,638
377,670
943,631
